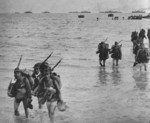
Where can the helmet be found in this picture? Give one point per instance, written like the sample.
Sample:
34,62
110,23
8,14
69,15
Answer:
17,70
116,43
44,65
37,65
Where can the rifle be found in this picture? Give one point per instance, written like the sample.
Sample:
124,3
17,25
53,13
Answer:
120,44
47,58
19,61
11,89
105,39
56,64
120,41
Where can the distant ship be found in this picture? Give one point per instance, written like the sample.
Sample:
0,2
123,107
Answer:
85,12
138,11
147,16
74,12
28,12
112,12
135,17
110,15
80,12
80,16
46,12
17,13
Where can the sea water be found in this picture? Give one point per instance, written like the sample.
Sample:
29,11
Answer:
93,94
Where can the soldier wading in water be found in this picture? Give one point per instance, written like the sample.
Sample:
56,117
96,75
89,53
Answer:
48,89
20,89
22,92
36,75
142,57
103,50
116,53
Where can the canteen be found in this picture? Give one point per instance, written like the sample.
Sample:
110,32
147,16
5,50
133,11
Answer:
61,106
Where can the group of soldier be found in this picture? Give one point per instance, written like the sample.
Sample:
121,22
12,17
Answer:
42,83
142,54
104,51
140,50
46,85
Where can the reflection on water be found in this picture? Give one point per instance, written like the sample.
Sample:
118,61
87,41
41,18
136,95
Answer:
40,116
116,76
115,69
141,80
20,119
102,75
113,77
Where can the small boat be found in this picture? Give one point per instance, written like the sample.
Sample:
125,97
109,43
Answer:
147,16
138,11
17,13
85,12
80,16
46,12
28,12
135,17
110,15
112,11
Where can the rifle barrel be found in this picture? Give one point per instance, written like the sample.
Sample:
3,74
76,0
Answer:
120,41
47,58
106,39
56,64
19,61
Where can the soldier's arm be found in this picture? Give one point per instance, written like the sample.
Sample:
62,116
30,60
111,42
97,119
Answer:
136,57
58,90
98,49
28,87
57,80
37,87
110,51
31,81
57,83
35,90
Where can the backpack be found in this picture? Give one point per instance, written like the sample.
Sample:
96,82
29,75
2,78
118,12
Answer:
135,49
148,33
116,49
142,33
26,73
99,47
143,56
11,90
116,52
134,36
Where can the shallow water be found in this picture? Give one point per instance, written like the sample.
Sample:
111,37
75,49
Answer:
93,94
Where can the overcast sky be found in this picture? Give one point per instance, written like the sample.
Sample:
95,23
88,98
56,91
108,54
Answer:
60,6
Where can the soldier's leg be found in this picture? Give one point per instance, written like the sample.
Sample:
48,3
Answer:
140,67
104,63
25,105
100,62
113,62
117,62
145,66
16,106
51,106
40,105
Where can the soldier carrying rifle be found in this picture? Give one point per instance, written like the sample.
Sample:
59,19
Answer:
116,53
48,89
20,89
